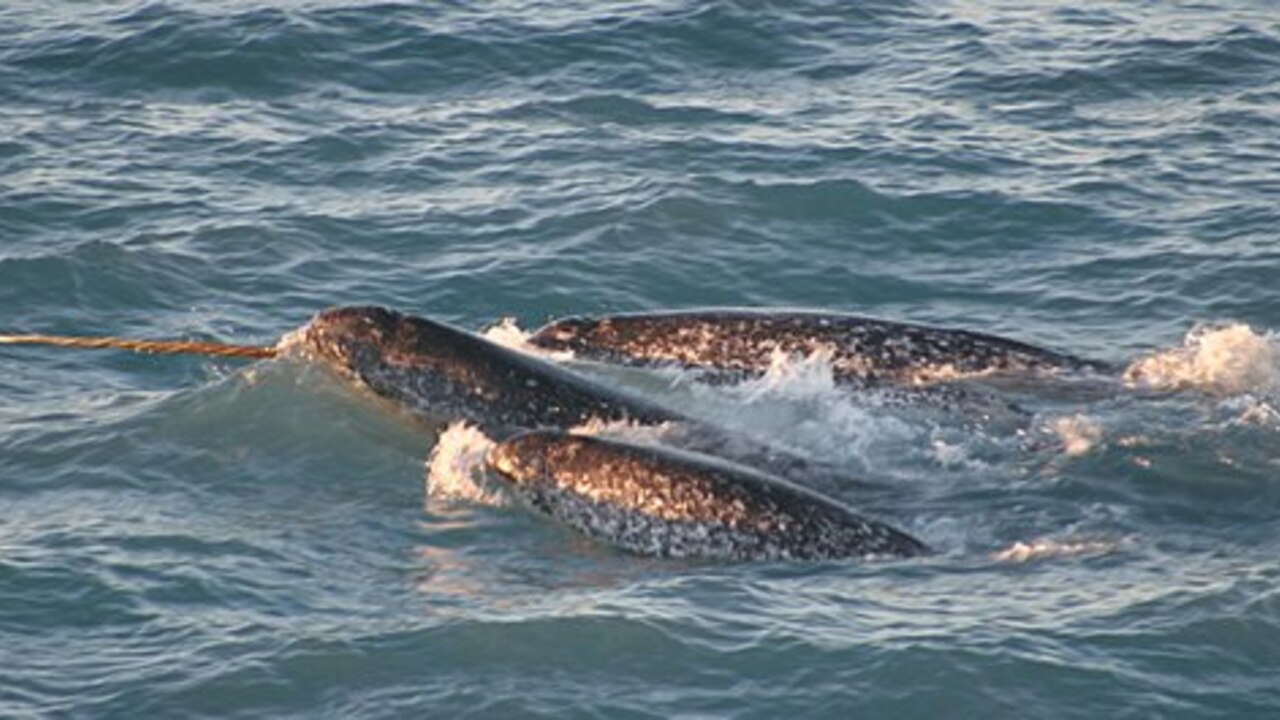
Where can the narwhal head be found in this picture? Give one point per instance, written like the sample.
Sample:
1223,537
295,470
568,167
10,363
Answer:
521,460
422,366
347,339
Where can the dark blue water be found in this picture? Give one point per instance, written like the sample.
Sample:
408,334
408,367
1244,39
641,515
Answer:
187,537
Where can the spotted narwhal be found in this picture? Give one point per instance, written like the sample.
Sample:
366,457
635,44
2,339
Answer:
443,374
667,503
744,342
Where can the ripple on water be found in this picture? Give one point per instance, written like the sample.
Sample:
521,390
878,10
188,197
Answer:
193,537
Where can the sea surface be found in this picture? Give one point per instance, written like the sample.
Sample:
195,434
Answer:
187,537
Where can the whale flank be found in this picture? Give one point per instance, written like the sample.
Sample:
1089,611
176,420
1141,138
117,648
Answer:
661,502
745,342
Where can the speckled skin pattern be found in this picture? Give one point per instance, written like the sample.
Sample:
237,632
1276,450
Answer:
444,374
743,342
666,503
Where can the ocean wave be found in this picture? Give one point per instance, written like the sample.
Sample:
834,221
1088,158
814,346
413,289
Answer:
184,536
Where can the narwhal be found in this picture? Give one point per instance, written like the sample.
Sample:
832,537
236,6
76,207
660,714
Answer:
668,503
733,342
443,374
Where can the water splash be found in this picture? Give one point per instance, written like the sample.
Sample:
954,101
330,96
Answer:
293,344
798,375
456,468
798,406
1254,411
508,333
1226,359
625,430
1079,433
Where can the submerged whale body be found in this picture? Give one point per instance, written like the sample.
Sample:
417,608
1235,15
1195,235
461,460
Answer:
744,342
667,503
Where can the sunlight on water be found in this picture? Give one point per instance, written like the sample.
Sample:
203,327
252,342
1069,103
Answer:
1047,548
188,537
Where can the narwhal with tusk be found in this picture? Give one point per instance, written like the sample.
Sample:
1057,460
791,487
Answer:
435,371
443,374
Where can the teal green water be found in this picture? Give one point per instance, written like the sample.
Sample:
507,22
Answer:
191,538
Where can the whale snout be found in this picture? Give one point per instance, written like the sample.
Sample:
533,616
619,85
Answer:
522,459
346,337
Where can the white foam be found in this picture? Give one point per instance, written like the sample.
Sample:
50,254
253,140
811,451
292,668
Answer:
795,404
624,430
1079,433
293,343
953,455
508,333
1045,548
1255,411
456,468
1228,359
795,375
798,406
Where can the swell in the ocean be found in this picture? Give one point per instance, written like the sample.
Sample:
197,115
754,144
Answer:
187,537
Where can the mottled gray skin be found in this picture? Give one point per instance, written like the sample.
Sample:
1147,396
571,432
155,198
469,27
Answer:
742,342
443,374
666,503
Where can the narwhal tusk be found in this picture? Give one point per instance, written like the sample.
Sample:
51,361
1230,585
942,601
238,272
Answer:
156,347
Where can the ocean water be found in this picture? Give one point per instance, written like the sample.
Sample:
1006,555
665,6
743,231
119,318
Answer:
182,537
